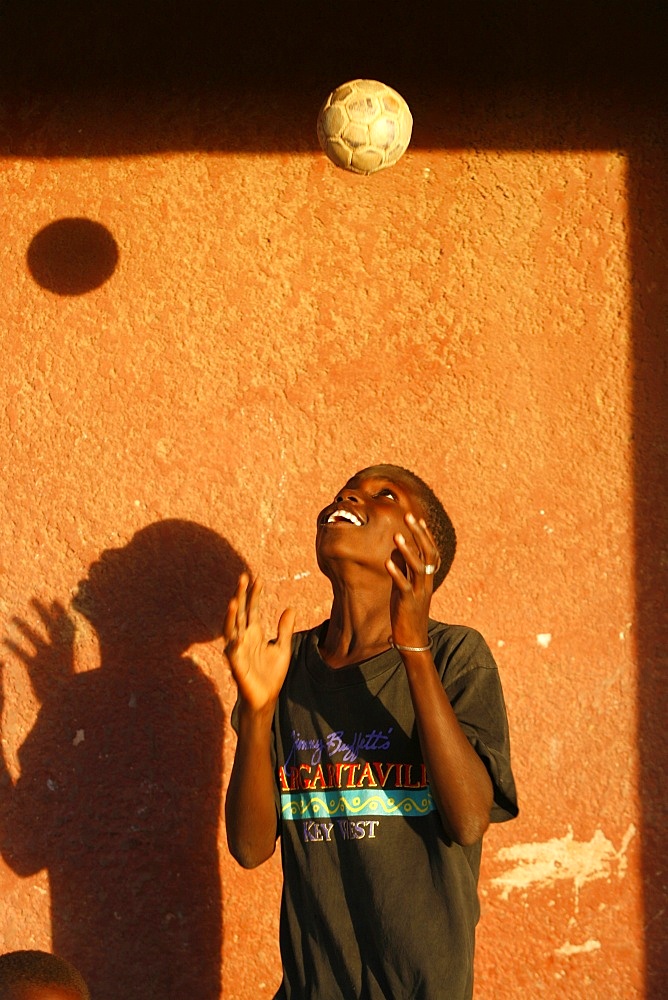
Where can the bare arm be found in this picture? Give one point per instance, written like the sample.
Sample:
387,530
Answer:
460,784
22,839
459,780
250,807
259,668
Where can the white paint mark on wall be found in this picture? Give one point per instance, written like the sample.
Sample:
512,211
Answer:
544,639
300,576
569,949
542,865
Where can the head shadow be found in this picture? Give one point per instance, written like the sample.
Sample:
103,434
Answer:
167,588
121,776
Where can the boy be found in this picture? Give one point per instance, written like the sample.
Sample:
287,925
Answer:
376,744
38,975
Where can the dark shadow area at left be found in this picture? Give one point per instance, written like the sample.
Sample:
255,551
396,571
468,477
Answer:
120,781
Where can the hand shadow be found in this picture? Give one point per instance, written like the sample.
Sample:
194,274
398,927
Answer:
120,785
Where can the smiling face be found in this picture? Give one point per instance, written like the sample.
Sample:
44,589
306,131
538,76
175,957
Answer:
359,526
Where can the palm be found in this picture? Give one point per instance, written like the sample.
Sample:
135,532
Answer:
258,665
412,585
50,660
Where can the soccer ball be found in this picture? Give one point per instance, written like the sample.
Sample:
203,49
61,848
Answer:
364,126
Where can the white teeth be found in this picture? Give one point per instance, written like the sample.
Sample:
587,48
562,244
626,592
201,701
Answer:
344,515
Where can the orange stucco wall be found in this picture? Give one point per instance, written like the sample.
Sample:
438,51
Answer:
266,325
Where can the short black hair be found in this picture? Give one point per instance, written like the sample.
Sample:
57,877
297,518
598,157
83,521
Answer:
435,514
38,968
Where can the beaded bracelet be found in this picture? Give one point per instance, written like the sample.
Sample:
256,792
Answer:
409,649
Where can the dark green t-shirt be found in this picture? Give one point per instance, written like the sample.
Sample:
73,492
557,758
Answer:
378,904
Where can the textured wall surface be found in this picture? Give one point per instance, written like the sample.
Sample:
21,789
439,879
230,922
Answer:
185,384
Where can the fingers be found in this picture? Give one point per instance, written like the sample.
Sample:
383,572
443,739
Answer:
28,632
286,627
419,552
400,579
18,651
243,614
243,610
229,625
241,619
235,616
426,546
49,616
423,538
254,600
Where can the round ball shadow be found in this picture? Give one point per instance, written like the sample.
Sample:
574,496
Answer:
72,256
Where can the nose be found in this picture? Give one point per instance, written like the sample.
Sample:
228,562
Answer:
107,555
349,495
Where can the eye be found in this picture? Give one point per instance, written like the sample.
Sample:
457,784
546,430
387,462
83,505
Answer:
386,492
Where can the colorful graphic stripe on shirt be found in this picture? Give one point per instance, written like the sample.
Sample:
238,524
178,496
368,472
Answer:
361,802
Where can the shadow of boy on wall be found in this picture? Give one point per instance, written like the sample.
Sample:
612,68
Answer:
120,778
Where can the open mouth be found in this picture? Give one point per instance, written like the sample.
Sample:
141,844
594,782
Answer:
343,516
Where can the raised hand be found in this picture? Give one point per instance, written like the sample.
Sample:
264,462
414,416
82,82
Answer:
259,665
412,584
50,661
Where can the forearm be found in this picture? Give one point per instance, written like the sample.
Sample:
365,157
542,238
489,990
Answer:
22,840
460,784
250,804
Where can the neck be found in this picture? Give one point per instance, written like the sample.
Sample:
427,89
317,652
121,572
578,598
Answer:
359,623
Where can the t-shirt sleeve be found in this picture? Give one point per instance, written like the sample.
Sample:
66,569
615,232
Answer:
471,681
